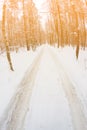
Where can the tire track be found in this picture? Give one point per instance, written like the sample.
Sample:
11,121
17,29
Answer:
78,117
14,116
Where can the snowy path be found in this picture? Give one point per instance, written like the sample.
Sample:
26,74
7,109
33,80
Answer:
13,118
77,112
53,105
49,108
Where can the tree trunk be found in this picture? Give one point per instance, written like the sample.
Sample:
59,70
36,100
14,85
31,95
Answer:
5,39
25,27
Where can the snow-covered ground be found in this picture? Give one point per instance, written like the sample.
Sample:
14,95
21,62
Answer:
49,106
76,69
9,80
49,109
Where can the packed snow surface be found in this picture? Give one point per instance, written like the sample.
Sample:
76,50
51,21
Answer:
59,88
9,80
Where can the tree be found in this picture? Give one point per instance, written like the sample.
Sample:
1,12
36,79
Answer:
4,36
70,22
25,26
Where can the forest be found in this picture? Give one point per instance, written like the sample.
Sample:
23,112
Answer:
43,64
21,25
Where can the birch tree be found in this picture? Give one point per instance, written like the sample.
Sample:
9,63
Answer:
5,36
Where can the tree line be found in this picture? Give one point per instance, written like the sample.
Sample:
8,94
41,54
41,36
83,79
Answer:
67,23
20,26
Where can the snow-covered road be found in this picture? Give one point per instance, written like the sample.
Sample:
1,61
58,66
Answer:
77,111
14,116
54,104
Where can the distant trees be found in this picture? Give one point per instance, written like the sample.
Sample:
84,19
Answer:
50,31
25,26
70,22
66,24
32,26
21,25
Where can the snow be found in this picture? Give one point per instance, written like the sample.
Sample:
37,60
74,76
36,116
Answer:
48,108
9,80
76,69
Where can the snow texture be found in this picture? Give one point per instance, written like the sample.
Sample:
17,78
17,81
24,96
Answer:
61,81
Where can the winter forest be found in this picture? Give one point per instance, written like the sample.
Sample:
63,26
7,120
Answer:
43,64
66,24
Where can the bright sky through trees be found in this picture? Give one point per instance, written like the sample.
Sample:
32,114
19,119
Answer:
40,4
42,7
1,1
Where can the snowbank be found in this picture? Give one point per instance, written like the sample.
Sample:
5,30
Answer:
76,69
9,80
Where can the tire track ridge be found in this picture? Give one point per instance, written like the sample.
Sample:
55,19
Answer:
78,118
15,113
